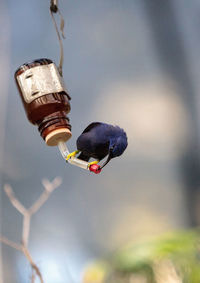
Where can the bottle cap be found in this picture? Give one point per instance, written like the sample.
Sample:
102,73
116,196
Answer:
55,136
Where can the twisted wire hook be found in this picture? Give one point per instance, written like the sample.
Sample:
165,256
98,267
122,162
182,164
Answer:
54,9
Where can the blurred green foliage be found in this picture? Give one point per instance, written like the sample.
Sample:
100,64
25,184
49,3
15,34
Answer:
171,258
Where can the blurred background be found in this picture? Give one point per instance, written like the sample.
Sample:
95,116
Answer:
134,63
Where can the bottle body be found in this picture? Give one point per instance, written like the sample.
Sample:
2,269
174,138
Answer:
45,99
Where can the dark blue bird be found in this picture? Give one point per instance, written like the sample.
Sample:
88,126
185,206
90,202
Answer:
99,140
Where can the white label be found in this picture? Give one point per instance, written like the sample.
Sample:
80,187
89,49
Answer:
39,81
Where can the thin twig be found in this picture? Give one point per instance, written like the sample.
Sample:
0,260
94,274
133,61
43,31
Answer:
36,206
8,190
49,188
10,243
33,276
26,229
33,265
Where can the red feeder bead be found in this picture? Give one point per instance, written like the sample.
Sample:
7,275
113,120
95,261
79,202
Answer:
95,168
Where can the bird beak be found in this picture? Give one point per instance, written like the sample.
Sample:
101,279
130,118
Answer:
108,159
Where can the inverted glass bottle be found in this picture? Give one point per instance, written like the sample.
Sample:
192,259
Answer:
45,100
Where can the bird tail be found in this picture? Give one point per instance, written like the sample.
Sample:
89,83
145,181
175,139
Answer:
82,156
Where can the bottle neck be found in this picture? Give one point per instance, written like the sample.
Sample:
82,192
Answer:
55,126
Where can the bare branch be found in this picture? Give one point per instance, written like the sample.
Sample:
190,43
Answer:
33,265
8,190
36,206
33,276
49,188
26,229
10,243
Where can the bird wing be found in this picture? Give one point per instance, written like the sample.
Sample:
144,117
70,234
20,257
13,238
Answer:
92,142
91,126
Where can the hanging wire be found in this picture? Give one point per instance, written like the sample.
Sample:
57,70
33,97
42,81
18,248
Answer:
54,6
54,9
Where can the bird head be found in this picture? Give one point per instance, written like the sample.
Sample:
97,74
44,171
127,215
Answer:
117,145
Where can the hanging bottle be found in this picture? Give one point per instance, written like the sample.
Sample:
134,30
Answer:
45,99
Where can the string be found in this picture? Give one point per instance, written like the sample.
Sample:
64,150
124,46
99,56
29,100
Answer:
54,9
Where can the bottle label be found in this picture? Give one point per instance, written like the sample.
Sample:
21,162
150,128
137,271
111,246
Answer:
39,81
